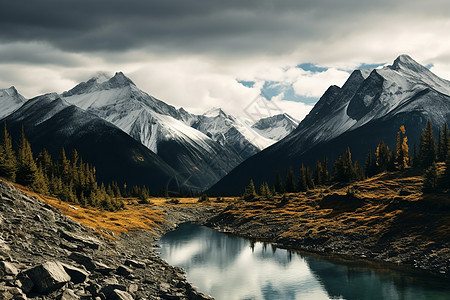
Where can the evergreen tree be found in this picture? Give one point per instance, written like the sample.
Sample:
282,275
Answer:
309,179
325,176
8,163
267,190
250,191
290,180
384,157
427,147
344,170
444,144
278,186
430,178
40,184
26,166
318,173
264,190
401,154
302,182
44,161
63,166
369,166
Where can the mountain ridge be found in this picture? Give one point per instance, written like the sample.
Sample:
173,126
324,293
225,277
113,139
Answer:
369,107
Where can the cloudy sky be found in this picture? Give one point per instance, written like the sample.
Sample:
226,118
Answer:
202,54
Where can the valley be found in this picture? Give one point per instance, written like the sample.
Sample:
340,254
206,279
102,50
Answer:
363,178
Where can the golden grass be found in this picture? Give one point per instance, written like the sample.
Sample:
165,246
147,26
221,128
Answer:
386,204
135,216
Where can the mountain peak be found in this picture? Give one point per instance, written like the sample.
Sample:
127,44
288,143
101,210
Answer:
214,112
120,80
405,62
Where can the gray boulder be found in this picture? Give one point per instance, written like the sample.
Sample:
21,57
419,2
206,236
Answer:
7,268
48,276
77,275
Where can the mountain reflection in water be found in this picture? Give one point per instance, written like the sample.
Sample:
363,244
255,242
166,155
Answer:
228,267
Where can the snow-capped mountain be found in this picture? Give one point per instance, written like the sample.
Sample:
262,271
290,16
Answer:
231,132
52,123
276,127
10,100
157,125
369,107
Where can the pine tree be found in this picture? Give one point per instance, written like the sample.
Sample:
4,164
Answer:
290,180
318,173
309,179
401,154
302,182
63,166
26,166
430,178
44,161
344,170
250,191
369,166
444,144
278,186
384,157
267,190
40,184
427,147
8,163
325,176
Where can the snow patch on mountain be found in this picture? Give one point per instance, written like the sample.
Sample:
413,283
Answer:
10,101
275,127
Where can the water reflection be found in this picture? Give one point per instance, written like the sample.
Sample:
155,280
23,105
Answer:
229,267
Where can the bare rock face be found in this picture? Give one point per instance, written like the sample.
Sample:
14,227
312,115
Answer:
48,276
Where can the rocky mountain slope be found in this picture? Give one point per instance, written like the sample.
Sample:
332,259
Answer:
45,255
52,123
275,127
158,126
368,108
10,100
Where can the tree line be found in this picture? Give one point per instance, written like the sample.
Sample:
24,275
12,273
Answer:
344,170
68,178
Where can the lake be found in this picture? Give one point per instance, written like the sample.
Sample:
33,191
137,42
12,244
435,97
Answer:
229,267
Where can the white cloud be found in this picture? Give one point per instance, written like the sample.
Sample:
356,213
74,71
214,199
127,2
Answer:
315,84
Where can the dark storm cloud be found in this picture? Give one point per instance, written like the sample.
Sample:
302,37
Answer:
179,25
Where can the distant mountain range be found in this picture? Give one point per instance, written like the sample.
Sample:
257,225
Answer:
368,108
191,151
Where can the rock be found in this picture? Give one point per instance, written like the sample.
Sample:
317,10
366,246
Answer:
124,271
16,292
120,295
134,263
84,260
133,288
103,269
77,275
48,276
67,245
88,241
7,268
5,294
24,282
108,290
68,295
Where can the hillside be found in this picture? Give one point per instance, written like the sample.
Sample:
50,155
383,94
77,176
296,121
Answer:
368,108
384,218
47,255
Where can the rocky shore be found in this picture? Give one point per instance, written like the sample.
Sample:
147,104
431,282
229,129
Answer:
400,234
46,255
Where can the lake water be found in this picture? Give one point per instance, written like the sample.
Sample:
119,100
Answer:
228,267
